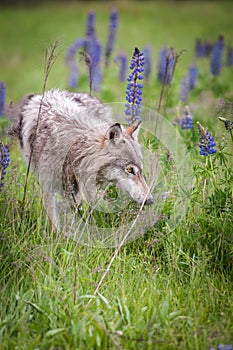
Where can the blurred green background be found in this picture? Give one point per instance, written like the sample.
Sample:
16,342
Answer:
28,28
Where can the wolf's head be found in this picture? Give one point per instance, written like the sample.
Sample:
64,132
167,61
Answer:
124,167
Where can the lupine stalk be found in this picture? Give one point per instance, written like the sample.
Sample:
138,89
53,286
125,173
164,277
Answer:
94,52
88,63
134,88
123,60
165,64
4,162
113,25
2,97
207,143
216,57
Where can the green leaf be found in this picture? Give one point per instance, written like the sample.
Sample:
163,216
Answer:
55,331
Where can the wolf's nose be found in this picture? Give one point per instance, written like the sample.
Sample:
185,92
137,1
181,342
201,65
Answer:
150,200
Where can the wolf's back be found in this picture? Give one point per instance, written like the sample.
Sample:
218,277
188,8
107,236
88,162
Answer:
53,121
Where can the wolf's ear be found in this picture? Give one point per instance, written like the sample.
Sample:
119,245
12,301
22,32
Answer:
133,129
114,132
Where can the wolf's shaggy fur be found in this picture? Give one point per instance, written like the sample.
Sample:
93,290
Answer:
73,144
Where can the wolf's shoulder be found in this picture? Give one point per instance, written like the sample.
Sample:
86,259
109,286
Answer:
63,99
76,106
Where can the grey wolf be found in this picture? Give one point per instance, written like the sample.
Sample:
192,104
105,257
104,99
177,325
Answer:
73,143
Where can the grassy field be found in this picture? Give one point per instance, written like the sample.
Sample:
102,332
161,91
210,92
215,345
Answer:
168,289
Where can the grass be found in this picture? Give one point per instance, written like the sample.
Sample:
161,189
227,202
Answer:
165,290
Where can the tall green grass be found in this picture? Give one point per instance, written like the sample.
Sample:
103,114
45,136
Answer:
165,290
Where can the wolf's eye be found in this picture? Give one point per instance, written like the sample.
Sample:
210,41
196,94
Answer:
130,170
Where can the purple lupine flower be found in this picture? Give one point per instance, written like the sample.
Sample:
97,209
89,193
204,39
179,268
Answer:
90,25
199,48
186,121
148,61
229,60
94,51
193,74
71,62
123,61
165,64
206,141
224,347
4,162
188,83
2,97
216,57
73,74
184,89
161,63
72,50
228,347
113,25
134,88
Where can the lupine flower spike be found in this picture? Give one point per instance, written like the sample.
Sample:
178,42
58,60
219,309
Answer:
188,83
229,58
206,141
184,89
134,88
193,74
186,122
78,44
113,24
199,48
2,97
4,162
148,61
92,51
216,57
90,25
123,60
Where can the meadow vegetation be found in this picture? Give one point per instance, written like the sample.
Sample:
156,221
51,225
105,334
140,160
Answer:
168,289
